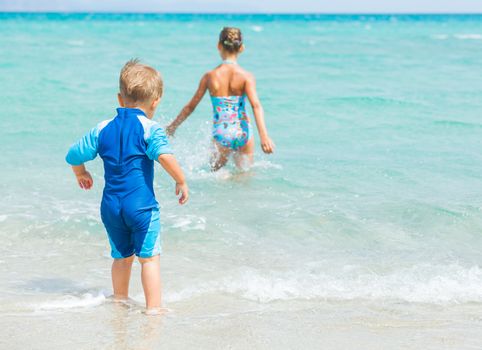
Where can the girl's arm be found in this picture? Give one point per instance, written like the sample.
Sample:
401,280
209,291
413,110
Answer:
190,107
267,145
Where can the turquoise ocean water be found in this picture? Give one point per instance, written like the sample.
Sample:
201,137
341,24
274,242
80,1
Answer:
362,231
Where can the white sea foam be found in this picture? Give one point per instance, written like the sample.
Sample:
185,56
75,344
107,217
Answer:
3,218
458,36
189,222
266,164
72,302
257,28
230,172
419,284
221,174
468,36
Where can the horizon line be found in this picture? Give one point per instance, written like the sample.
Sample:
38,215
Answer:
245,13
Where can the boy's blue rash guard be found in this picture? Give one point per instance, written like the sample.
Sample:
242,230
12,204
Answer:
127,144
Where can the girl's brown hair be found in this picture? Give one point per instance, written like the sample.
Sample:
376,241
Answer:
231,39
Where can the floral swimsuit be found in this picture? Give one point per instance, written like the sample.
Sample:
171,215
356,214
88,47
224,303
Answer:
231,126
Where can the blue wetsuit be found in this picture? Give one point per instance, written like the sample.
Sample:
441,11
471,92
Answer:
128,144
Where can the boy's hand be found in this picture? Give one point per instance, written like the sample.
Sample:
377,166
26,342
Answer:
85,181
267,145
83,177
184,191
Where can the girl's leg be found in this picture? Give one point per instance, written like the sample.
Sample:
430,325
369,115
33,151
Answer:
121,274
151,282
244,157
219,157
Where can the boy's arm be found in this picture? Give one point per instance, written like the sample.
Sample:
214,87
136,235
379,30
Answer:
170,165
158,148
190,107
267,145
80,152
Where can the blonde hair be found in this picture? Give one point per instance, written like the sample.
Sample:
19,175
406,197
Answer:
139,82
231,39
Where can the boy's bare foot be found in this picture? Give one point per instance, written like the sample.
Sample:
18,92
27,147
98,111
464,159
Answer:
119,299
116,299
156,311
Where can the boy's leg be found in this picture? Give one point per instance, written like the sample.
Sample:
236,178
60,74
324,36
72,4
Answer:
151,281
122,249
121,274
146,226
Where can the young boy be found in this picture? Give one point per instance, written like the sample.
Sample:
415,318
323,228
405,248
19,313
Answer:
128,144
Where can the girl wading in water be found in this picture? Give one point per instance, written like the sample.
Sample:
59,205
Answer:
229,85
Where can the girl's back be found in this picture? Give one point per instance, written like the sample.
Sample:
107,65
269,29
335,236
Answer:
228,79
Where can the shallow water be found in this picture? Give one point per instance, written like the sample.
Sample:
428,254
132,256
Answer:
362,231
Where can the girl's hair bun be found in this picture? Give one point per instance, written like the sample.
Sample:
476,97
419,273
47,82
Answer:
231,39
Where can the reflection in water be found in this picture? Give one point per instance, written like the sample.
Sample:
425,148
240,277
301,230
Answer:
151,327
132,329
